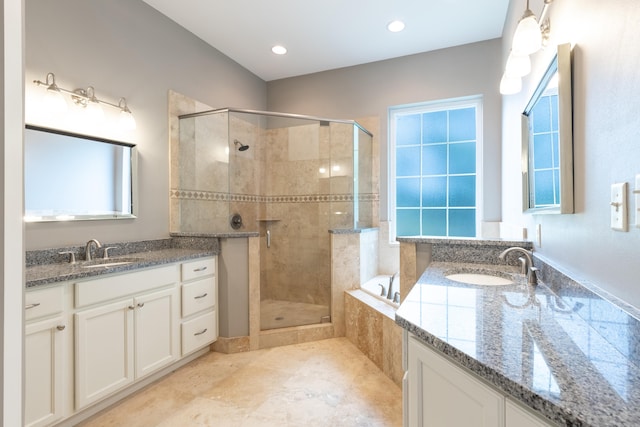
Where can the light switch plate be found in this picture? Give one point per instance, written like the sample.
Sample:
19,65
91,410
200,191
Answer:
619,220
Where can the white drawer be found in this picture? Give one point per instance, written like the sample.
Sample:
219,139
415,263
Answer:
198,296
121,285
43,302
199,332
198,268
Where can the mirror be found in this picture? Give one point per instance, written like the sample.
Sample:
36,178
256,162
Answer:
77,177
547,141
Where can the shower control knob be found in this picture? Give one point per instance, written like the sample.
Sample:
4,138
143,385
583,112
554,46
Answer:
236,221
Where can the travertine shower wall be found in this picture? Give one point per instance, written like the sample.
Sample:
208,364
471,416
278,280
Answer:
297,182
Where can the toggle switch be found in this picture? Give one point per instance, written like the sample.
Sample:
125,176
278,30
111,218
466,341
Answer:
619,220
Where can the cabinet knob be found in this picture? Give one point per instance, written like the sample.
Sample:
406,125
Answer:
34,305
61,327
140,304
132,307
201,332
201,296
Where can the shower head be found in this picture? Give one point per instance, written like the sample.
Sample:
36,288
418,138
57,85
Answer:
241,146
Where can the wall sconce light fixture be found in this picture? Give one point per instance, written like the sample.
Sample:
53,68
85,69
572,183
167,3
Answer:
530,36
85,98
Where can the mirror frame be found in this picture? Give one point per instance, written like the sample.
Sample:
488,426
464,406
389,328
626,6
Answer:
561,64
84,217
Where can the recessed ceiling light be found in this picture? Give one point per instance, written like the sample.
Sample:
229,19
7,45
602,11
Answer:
279,50
395,26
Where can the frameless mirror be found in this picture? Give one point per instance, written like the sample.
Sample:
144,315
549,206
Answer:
547,141
76,177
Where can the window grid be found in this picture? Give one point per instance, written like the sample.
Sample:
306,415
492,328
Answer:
553,133
422,209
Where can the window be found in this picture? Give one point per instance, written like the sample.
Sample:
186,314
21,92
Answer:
434,172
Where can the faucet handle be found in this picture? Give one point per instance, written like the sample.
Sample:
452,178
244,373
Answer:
383,290
396,297
72,256
523,264
106,251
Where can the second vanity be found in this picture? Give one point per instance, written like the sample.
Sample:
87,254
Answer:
96,331
550,354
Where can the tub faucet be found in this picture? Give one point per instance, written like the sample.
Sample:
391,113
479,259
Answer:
390,289
87,249
527,265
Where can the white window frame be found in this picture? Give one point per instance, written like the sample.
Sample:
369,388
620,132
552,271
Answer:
426,107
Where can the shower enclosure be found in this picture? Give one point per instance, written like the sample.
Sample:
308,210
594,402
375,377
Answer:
293,179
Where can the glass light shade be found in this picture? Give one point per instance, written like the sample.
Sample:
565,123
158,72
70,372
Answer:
95,115
54,102
126,120
279,50
518,65
528,37
510,84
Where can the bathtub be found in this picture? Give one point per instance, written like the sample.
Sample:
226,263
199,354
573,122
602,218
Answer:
372,287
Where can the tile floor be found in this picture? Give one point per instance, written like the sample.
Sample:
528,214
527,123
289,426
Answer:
321,383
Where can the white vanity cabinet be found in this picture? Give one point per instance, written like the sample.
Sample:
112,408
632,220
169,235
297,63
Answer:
45,359
128,330
199,289
440,393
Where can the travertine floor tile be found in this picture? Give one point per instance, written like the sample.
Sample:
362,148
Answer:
322,383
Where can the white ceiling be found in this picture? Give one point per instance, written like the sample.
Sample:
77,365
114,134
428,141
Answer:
329,34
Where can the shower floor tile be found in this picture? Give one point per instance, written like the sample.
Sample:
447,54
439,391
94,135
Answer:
323,383
283,314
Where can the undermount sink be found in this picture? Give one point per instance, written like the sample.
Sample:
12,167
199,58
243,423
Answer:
104,263
479,279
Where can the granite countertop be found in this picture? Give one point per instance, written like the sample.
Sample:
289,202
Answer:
575,359
43,274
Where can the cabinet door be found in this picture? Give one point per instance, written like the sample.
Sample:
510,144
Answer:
157,330
442,394
519,417
104,351
44,371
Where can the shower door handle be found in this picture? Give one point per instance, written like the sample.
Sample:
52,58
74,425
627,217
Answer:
268,238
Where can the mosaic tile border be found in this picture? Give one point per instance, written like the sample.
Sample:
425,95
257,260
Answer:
305,198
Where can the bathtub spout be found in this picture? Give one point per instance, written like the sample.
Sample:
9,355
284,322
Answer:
390,289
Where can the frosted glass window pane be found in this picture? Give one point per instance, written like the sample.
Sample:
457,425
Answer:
542,115
462,222
434,192
408,130
542,151
462,158
462,124
556,154
556,186
408,161
434,222
543,187
462,191
434,159
408,222
408,192
434,127
554,112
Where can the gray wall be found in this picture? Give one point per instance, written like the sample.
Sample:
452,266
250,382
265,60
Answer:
370,89
606,85
125,48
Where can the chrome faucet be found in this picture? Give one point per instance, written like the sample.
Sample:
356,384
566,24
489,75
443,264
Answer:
390,289
87,249
527,266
